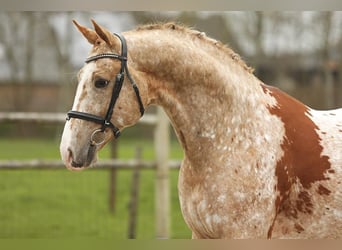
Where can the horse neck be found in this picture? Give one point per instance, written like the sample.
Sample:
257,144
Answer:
199,86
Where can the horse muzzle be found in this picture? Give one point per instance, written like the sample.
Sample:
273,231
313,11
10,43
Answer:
81,159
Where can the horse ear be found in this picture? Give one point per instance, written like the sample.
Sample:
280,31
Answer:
103,33
89,34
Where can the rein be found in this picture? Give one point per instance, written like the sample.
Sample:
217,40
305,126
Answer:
119,79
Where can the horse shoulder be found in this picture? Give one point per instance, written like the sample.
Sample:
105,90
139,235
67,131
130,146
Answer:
309,173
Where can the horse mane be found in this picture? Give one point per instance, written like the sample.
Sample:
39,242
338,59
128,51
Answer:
199,35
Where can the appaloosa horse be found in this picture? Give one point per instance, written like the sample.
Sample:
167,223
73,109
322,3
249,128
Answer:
258,163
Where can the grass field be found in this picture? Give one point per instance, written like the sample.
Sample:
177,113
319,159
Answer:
64,204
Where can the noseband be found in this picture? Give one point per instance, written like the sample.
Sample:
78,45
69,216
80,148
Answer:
119,79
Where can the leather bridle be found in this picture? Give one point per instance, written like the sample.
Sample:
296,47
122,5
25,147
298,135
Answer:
119,79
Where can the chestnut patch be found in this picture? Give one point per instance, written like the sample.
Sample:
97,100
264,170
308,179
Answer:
302,159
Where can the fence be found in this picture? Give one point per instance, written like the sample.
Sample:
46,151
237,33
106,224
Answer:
161,164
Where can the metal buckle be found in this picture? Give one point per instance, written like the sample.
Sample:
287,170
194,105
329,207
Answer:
97,137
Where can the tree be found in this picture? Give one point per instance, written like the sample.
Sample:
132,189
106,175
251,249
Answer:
326,22
16,36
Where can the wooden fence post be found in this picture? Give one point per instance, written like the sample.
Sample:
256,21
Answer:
133,204
162,198
112,177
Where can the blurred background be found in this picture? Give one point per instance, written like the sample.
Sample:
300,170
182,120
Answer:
40,55
40,52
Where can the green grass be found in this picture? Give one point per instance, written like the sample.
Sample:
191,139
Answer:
64,204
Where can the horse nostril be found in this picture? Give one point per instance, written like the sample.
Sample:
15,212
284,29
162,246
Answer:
73,163
69,154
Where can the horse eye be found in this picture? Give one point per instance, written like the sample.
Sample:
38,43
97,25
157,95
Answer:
101,83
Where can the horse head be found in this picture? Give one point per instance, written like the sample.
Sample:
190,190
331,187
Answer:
107,98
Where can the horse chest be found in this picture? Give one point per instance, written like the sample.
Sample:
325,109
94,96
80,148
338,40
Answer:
222,205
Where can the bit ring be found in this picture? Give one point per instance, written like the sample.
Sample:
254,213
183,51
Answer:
97,137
